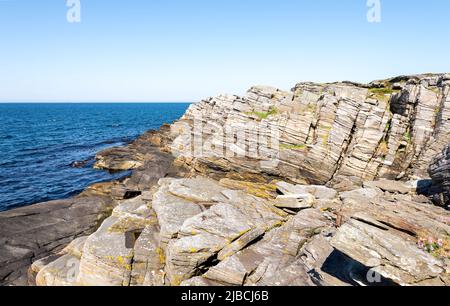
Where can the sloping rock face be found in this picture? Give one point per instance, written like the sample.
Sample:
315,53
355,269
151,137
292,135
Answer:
30,233
385,129
399,236
209,234
440,173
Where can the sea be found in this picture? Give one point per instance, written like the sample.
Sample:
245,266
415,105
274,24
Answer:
40,142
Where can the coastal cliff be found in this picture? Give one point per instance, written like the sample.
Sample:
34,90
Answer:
326,184
385,129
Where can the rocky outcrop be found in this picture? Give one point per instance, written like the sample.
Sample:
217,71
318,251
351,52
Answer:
39,232
30,233
337,195
137,155
386,232
440,173
222,236
385,129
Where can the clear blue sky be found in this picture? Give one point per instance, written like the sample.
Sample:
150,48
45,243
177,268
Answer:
184,50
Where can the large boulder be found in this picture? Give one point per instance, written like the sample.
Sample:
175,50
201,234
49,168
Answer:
394,236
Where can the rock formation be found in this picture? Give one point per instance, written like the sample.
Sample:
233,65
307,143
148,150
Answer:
341,198
196,231
386,129
440,173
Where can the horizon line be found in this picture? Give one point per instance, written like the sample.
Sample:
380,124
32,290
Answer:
98,102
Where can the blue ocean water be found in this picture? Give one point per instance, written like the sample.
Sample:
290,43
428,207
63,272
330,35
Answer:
39,143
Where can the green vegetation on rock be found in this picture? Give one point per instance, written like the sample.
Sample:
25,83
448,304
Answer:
383,93
264,115
293,147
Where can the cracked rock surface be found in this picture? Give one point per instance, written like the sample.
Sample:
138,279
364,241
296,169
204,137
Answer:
386,129
439,171
235,238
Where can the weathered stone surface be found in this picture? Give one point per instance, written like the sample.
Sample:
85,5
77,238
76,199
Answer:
388,254
31,233
319,192
211,219
241,242
343,183
107,258
298,201
199,281
439,170
172,211
389,186
261,190
383,233
148,260
262,262
62,271
238,239
385,129
108,253
136,155
203,236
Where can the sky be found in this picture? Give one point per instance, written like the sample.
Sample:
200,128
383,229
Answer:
187,50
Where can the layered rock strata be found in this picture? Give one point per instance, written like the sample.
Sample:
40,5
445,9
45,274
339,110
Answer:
385,129
440,173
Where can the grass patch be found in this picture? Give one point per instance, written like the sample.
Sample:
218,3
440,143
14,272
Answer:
435,89
388,126
264,115
408,137
383,93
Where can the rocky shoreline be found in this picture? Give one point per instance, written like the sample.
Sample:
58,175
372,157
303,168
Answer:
355,194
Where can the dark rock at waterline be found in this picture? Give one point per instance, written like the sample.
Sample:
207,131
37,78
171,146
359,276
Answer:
81,164
30,233
136,155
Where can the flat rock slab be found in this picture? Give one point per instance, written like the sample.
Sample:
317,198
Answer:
383,232
390,186
319,192
389,254
30,233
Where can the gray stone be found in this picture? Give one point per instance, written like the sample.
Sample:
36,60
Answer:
295,201
439,170
389,186
37,231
